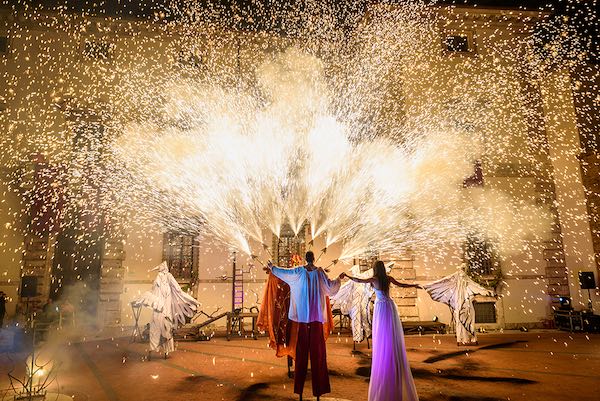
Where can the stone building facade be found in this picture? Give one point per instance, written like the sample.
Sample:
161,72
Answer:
117,268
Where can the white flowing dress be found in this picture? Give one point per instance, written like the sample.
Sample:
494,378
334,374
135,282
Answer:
391,379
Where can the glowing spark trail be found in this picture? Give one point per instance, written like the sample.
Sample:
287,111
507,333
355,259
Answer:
353,122
246,167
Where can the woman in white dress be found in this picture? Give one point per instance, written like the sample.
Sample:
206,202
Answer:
391,379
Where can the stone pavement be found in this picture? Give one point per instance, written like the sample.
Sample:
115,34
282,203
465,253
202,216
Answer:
544,366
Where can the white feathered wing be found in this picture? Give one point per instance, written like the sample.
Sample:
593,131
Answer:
353,299
457,291
170,306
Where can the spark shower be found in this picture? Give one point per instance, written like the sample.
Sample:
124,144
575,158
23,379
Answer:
315,137
361,130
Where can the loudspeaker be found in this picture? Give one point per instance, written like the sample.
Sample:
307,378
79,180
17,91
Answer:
28,286
587,281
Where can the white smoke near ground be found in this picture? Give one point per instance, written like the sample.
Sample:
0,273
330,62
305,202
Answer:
43,349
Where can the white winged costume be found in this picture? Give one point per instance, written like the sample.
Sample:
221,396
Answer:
457,291
353,299
170,306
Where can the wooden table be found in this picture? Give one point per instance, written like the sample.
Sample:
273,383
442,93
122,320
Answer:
237,319
423,327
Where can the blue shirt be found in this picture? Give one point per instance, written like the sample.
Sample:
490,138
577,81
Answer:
308,289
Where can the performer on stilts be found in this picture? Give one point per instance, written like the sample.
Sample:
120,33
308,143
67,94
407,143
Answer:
457,291
274,320
170,307
309,287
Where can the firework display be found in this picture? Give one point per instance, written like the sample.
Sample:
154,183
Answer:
215,136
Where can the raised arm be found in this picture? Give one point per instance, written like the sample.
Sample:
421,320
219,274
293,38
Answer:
288,275
361,280
399,284
331,287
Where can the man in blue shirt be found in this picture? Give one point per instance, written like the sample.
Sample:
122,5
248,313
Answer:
309,287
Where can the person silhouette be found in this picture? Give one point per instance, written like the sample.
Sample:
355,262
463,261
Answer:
391,378
2,308
309,287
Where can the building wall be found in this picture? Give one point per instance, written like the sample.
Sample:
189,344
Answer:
33,118
523,294
565,147
11,243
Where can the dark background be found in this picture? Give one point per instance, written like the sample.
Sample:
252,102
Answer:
142,8
269,14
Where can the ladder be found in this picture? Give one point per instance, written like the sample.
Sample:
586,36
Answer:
238,286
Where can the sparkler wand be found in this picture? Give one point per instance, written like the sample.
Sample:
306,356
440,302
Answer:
255,257
326,268
323,251
266,248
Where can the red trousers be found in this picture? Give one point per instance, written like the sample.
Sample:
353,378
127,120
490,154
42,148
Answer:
311,340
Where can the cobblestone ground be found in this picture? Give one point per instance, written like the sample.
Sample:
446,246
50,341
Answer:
545,365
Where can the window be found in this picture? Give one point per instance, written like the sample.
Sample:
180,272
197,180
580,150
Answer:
181,253
485,312
97,50
458,43
365,263
479,257
288,245
3,45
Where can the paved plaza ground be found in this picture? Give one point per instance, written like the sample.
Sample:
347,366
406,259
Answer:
544,365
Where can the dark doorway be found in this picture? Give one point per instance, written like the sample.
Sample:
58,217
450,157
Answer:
76,266
76,271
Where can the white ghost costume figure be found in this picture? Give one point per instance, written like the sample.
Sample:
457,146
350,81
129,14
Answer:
457,291
353,299
170,306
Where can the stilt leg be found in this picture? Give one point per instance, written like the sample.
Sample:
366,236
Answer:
289,367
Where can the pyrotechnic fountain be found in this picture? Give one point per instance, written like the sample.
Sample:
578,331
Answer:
360,129
353,122
315,142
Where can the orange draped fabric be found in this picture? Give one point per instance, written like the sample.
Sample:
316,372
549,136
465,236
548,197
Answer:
329,325
273,318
